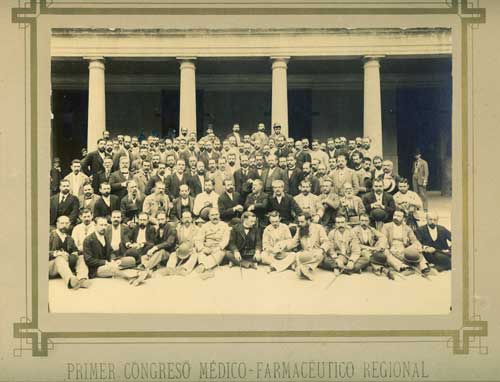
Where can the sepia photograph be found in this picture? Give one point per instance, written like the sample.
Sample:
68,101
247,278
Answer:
251,171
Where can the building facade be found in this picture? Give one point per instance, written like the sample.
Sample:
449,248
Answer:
393,85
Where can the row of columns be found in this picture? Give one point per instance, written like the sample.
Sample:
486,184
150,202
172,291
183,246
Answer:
372,117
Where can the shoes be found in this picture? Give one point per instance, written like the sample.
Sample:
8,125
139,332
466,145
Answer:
84,283
306,272
230,264
390,275
207,274
426,271
200,268
253,265
73,283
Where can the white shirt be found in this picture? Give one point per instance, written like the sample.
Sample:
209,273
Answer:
79,233
201,198
101,239
61,197
378,197
141,236
116,237
433,232
75,182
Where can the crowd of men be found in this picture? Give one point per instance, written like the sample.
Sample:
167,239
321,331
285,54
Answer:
133,207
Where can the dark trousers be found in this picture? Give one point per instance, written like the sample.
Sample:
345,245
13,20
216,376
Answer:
442,261
246,259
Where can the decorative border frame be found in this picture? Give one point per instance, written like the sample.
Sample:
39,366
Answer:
472,326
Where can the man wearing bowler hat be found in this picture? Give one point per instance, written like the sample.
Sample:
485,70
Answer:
420,177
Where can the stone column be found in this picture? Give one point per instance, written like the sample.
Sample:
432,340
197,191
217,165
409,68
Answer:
187,113
372,114
97,102
279,113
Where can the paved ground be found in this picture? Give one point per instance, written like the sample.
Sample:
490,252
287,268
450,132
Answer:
255,292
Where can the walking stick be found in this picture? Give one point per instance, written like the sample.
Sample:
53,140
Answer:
334,278
241,271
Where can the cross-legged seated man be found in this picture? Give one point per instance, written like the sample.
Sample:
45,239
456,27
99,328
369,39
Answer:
183,260
97,253
245,242
275,242
373,245
62,252
344,255
210,242
141,238
436,242
404,250
160,252
312,244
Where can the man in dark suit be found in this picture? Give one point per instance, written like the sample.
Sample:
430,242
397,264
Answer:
55,176
64,204
300,155
104,175
176,179
62,253
97,253
294,175
282,150
117,234
379,205
123,151
184,202
93,163
245,242
229,204
142,238
258,202
243,177
436,243
158,177
208,154
283,203
196,182
272,173
106,203
118,179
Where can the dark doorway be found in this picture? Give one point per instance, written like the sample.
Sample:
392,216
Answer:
424,121
169,113
69,126
300,113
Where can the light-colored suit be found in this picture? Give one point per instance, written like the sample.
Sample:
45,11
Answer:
275,243
210,242
339,178
311,247
76,183
409,245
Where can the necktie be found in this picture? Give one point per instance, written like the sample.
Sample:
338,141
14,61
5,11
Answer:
63,199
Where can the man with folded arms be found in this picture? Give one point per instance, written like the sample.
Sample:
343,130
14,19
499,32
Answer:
210,242
312,244
345,253
62,252
141,237
436,242
275,242
245,243
97,254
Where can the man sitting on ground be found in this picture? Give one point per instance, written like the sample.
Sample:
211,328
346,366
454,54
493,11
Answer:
275,241
436,242
245,243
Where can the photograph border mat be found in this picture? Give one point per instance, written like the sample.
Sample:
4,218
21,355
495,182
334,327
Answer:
470,14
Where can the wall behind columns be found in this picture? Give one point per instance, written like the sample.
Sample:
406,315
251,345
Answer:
337,112
129,113
389,127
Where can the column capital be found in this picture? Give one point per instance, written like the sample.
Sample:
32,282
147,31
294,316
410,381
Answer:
187,62
280,61
95,62
93,58
372,58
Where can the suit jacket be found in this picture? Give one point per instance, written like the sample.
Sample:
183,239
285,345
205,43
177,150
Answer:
315,184
282,152
131,209
387,201
409,237
194,183
261,203
420,172
102,209
148,189
443,236
245,244
277,174
288,208
204,157
115,180
99,178
70,208
167,239
89,203
241,184
117,155
150,236
92,164
56,244
226,205
55,179
124,237
176,211
373,238
95,254
301,157
173,182
349,177
294,181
